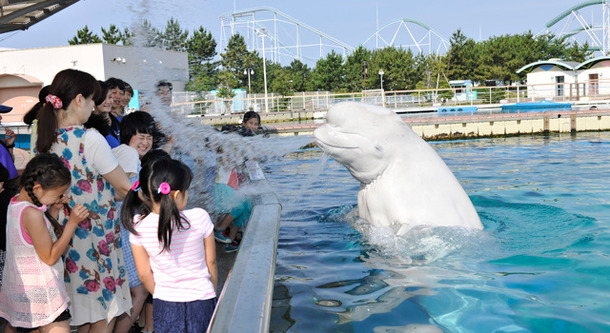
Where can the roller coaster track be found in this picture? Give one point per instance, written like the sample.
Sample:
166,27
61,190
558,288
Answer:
597,35
298,43
418,42
287,38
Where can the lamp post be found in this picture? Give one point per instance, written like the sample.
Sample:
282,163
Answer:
381,74
263,33
249,71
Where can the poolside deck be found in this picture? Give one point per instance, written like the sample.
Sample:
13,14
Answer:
477,125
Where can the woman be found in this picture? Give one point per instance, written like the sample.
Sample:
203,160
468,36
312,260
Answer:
95,277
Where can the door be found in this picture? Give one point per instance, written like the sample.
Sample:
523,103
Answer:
559,86
593,84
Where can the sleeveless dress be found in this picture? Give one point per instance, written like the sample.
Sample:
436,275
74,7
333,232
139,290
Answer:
34,293
95,276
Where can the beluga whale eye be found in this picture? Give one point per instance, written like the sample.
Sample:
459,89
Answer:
379,148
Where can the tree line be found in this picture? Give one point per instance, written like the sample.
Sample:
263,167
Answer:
497,58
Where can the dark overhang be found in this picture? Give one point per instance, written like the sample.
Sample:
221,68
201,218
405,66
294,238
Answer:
22,14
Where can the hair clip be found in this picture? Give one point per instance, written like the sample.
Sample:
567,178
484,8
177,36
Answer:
136,186
164,188
55,101
42,208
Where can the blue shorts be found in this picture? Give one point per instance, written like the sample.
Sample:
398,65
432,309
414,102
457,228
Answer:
183,317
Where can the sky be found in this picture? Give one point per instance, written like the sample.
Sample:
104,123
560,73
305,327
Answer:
350,21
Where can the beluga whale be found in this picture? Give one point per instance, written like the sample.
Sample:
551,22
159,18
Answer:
403,181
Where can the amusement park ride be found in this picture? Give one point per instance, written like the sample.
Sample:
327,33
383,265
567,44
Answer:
288,38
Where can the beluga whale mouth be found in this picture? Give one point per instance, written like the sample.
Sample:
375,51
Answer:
403,180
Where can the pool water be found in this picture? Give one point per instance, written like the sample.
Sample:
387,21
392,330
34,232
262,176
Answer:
542,263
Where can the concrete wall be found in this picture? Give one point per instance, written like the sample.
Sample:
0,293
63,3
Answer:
141,67
602,69
541,82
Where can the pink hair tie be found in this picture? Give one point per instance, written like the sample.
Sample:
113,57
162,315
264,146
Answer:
55,101
42,208
136,186
164,188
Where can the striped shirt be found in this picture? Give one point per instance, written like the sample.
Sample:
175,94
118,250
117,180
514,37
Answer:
181,274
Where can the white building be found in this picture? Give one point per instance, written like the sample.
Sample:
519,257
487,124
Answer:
24,72
556,79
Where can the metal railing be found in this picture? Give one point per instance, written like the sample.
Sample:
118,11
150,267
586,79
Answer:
245,302
191,103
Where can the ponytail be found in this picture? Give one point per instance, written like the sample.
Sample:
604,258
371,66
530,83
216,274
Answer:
157,180
66,85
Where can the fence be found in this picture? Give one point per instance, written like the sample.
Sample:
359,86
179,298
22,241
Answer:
207,104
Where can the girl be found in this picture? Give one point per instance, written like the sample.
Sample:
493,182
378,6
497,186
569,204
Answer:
137,129
101,119
95,280
176,244
34,295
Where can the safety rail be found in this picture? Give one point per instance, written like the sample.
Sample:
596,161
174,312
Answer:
191,103
245,302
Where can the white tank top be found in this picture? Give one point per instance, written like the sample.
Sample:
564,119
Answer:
33,293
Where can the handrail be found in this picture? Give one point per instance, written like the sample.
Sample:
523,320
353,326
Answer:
245,302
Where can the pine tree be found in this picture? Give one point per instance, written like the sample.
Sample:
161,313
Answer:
113,35
84,36
174,38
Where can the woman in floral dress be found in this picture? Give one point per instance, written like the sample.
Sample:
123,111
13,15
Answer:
94,274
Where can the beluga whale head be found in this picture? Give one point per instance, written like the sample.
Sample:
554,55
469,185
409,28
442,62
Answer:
404,182
351,137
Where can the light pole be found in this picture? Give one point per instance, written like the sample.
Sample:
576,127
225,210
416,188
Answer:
249,71
381,74
263,33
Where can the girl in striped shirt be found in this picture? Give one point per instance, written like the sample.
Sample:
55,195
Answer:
176,244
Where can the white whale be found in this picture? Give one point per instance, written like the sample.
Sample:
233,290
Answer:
403,181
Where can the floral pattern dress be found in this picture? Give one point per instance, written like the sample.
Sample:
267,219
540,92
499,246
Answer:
94,272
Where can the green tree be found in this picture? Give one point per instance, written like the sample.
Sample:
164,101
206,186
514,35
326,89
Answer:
398,66
201,48
354,68
236,58
174,38
113,35
84,36
328,73
578,53
462,57
225,83
146,35
126,37
300,75
282,81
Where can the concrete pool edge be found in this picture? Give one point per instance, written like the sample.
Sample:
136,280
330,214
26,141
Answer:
245,302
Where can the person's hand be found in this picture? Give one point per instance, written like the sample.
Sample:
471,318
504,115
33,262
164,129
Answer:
78,213
59,204
9,136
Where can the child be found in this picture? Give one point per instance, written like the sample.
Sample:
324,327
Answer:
173,248
34,295
137,129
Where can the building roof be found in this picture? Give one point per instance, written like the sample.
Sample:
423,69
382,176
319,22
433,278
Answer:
571,65
592,62
22,14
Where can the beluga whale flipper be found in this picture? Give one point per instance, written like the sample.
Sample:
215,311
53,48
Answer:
403,181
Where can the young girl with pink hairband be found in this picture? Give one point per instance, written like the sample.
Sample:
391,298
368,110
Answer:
173,248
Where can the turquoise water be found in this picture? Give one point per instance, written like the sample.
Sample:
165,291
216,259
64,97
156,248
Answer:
542,263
